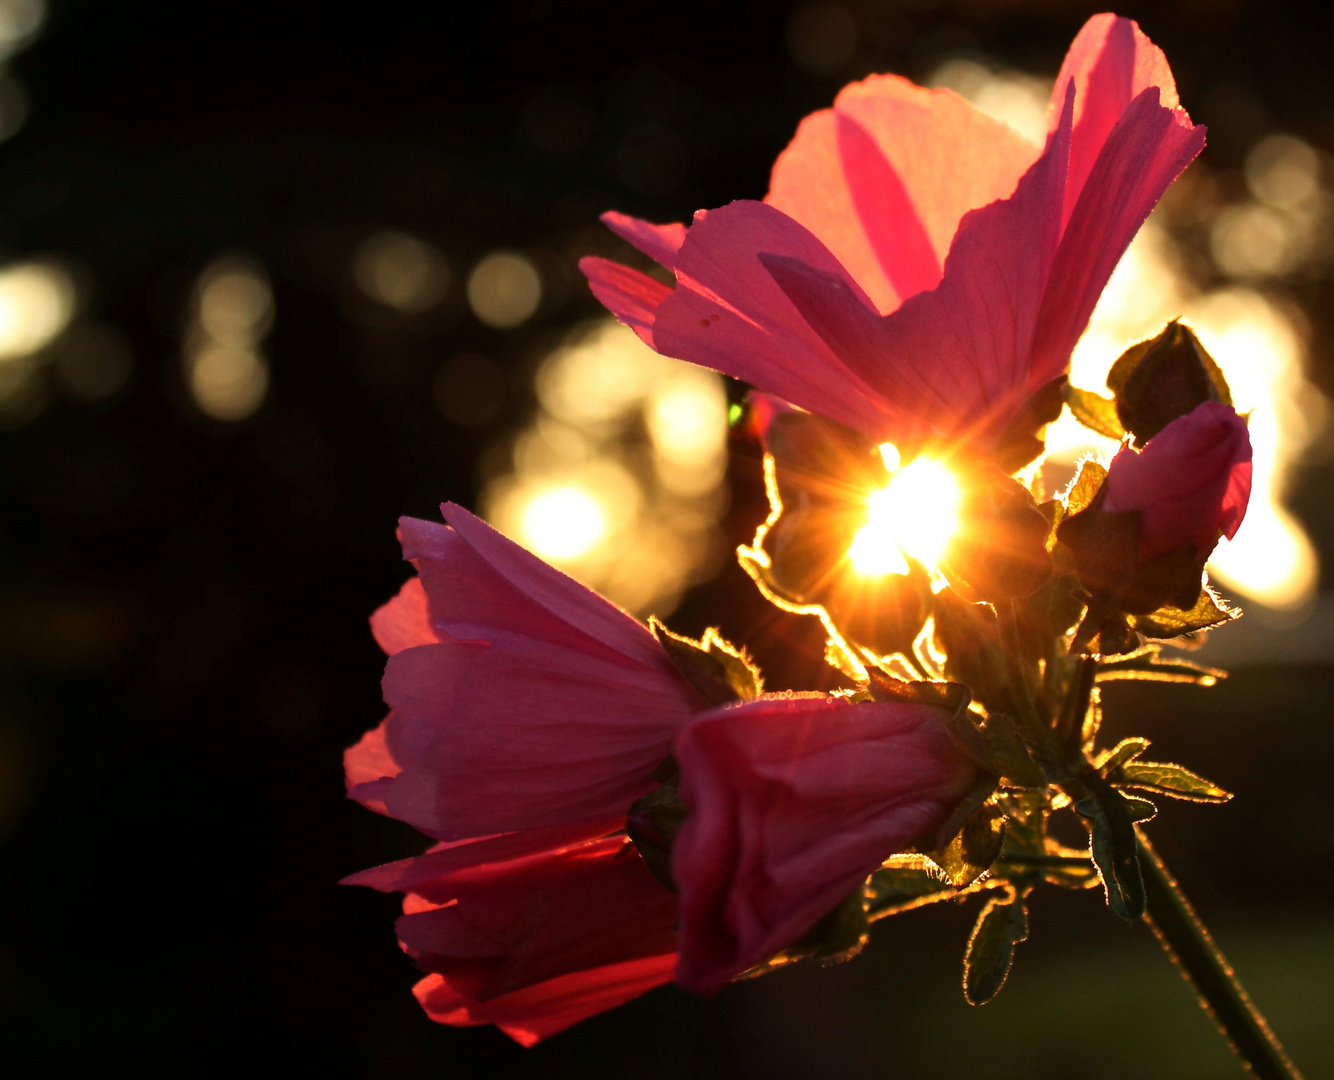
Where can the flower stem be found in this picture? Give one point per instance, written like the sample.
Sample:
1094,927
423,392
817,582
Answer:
1188,943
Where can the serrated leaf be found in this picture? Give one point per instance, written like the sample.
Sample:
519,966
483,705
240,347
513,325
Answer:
1000,927
971,852
719,672
1170,622
1115,849
1163,778
1125,751
1094,411
1148,664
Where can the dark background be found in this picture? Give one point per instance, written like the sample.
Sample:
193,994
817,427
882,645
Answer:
183,602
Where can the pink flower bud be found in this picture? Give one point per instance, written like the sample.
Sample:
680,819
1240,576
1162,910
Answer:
793,802
1190,483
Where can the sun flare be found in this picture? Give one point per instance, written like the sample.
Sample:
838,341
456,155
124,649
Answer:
916,514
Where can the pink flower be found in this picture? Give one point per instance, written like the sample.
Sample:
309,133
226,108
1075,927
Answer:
1190,483
534,944
519,699
793,802
917,269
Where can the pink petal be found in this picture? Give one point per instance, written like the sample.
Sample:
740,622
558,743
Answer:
433,875
523,734
1143,153
366,765
792,803
728,314
885,176
631,296
957,356
476,579
526,922
537,1012
1111,63
659,242
405,621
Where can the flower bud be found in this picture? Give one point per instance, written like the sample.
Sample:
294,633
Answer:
1190,483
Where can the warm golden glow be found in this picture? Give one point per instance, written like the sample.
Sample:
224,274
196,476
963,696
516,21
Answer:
916,513
225,369
563,523
584,458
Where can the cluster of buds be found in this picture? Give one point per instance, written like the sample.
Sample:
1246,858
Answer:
615,805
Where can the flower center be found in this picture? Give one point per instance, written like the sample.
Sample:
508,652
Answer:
916,513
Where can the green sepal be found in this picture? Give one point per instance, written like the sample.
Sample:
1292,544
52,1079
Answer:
1164,378
1164,778
895,889
1171,622
945,695
1148,664
840,935
1114,848
1095,412
652,825
718,671
969,852
989,956
1006,753
1084,487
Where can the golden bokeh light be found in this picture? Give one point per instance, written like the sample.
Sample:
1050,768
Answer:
562,523
504,289
916,514
620,478
225,370
401,271
37,300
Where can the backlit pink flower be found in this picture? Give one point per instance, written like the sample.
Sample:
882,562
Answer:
534,944
519,699
1190,483
792,802
917,269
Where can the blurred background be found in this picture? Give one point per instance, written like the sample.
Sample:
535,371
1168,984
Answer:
274,273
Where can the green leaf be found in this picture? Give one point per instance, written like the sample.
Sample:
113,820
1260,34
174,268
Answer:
1148,664
970,853
1114,848
1094,411
1002,924
1171,622
1124,751
1163,778
719,672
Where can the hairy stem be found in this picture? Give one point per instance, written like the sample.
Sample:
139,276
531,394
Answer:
1188,943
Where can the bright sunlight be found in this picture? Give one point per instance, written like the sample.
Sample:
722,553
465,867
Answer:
916,514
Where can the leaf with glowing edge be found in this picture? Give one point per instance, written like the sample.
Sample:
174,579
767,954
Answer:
1164,778
1148,664
718,671
987,960
1210,610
